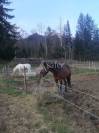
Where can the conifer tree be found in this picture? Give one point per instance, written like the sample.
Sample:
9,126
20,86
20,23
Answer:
8,34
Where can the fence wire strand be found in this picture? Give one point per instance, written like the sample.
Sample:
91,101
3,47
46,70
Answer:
84,110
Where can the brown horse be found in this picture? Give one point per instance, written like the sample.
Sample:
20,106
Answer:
61,73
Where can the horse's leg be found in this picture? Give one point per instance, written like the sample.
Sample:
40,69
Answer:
61,88
65,83
69,81
56,81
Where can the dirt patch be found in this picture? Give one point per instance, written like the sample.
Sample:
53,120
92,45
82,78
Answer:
84,77
20,114
81,122
88,84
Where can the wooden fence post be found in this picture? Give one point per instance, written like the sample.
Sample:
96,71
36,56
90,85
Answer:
95,66
25,81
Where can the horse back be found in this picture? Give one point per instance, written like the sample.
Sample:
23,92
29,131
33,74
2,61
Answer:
65,72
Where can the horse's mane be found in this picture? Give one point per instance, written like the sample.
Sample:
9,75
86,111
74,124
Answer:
56,65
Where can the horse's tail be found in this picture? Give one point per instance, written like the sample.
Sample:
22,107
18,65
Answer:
69,75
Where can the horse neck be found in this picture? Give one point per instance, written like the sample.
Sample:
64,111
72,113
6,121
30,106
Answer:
53,71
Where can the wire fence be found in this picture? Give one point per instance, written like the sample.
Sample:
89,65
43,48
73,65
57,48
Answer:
76,106
6,72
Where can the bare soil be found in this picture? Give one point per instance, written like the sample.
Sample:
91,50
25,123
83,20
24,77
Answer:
19,114
82,122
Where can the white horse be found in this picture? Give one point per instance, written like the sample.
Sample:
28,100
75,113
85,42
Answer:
21,68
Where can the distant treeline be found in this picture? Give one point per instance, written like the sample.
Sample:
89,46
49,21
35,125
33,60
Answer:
84,46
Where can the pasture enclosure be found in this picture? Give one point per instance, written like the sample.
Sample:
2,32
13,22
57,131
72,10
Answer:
37,108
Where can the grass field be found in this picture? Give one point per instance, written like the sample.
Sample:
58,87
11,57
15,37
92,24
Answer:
22,112
85,71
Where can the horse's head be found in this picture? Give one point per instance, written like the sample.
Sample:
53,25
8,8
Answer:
43,73
47,66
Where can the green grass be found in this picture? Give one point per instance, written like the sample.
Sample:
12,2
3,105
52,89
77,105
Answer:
53,122
55,116
85,71
10,91
6,87
34,78
35,65
10,82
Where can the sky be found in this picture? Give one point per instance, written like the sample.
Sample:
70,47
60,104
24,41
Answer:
31,15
